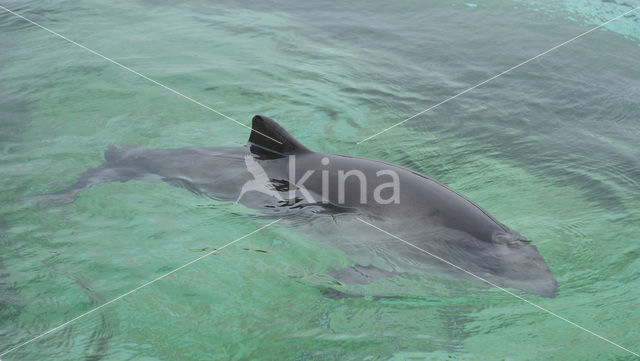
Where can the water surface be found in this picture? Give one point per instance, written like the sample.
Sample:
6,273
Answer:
550,149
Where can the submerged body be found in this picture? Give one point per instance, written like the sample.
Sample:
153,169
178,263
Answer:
324,193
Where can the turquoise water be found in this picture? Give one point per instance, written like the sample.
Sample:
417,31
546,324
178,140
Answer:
550,149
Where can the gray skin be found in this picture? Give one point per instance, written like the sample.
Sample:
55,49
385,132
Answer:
429,215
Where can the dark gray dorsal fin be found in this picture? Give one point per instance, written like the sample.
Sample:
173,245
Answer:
267,134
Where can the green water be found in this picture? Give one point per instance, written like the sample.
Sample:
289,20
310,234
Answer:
550,149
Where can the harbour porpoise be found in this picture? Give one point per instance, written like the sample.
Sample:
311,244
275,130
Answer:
327,196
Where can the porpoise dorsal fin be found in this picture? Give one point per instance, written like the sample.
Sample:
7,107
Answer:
269,135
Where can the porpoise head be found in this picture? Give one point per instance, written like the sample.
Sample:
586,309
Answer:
493,253
480,244
520,265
